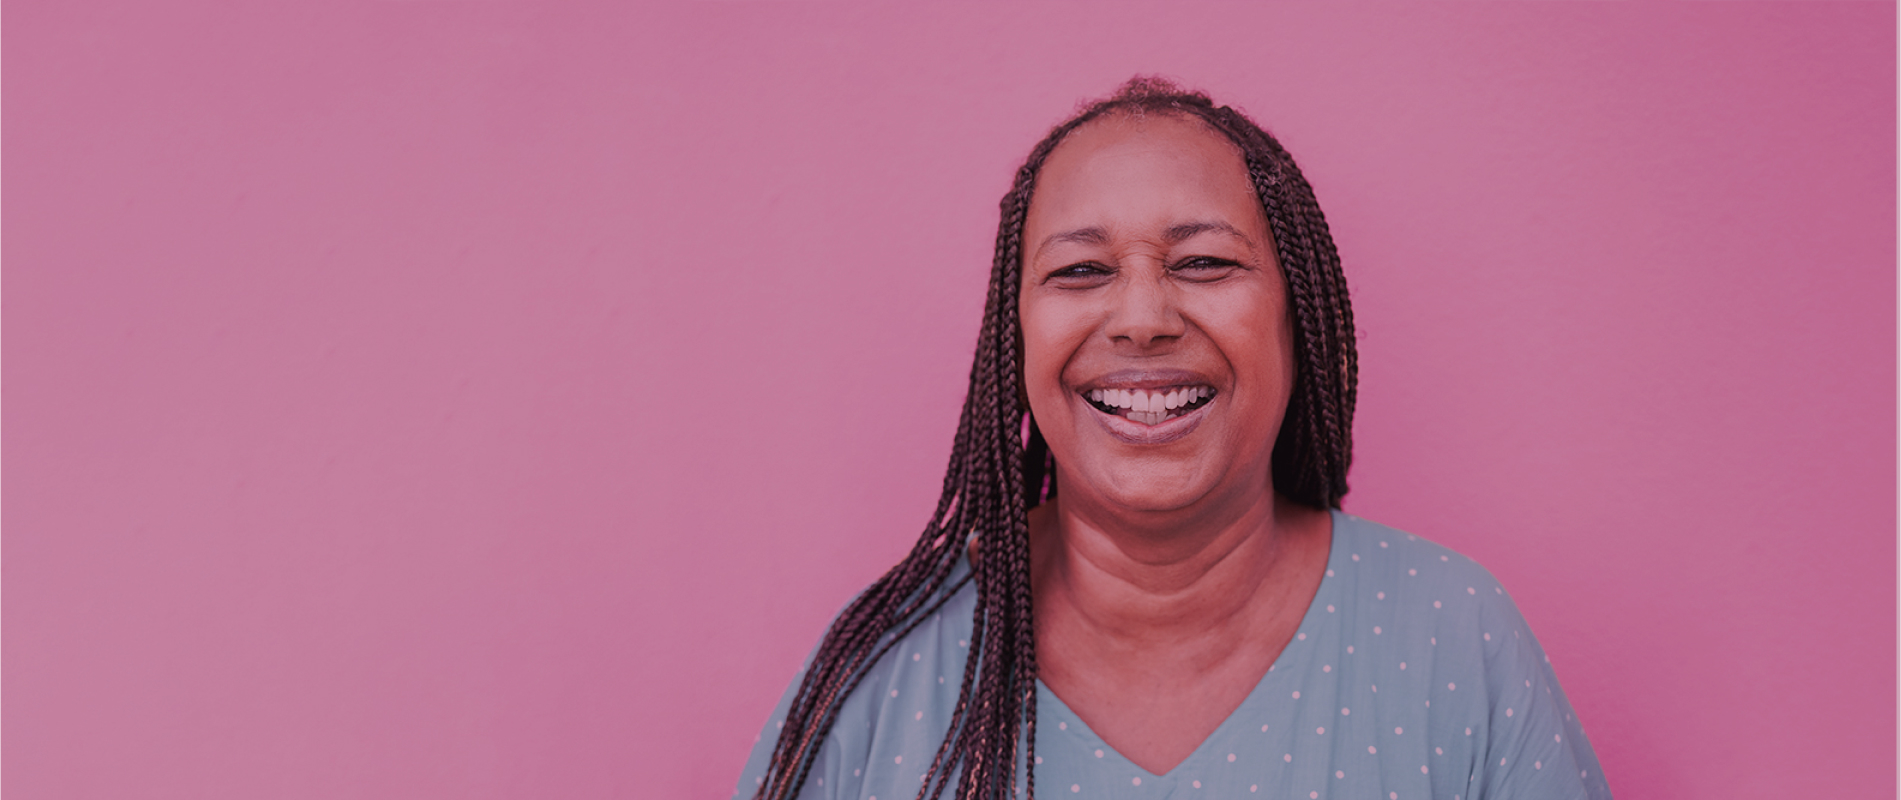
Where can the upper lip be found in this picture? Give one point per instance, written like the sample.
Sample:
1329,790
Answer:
1146,379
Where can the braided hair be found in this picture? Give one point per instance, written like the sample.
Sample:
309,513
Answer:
1000,468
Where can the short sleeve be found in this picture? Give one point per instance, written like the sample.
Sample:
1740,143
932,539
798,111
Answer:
1534,744
754,775
825,780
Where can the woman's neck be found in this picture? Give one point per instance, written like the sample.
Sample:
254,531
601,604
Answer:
1152,579
1154,634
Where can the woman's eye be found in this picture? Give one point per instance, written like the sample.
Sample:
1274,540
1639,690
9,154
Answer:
1083,271
1204,268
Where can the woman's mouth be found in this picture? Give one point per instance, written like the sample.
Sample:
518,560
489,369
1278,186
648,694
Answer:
1150,406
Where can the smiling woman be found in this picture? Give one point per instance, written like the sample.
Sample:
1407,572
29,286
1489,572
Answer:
1192,612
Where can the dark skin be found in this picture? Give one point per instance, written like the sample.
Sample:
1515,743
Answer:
1168,574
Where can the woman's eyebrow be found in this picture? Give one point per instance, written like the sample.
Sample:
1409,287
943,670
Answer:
1090,235
1179,233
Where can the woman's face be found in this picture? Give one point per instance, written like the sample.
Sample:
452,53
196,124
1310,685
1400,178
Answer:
1158,356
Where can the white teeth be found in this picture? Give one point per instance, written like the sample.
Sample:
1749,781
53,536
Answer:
1142,404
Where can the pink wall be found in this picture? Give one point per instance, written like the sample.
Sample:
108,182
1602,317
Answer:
489,400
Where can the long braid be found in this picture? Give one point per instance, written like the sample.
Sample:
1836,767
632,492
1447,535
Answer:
997,473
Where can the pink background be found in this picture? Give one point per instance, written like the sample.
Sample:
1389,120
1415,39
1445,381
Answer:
495,400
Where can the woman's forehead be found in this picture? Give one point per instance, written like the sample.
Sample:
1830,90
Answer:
1143,170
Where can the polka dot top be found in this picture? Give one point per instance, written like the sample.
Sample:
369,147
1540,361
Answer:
1411,676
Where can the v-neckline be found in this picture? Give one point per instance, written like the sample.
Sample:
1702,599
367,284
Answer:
1075,726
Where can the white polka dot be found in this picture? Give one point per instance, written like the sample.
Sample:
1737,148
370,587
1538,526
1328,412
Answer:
1501,762
1399,731
1440,751
1301,636
1349,649
962,643
1075,787
1376,688
1435,641
1376,630
1230,758
821,781
1581,773
1264,729
1329,608
1062,726
1138,780
1437,604
1197,784
1468,731
1370,750
1402,665
1412,572
1320,731
781,724
1039,759
1537,765
1488,637
1356,556
1452,687
898,760
1556,738
1098,753
894,693
1289,758
1470,590
758,781
1329,573
940,679
920,715
1345,711
1498,590
1381,595
1297,695
1326,668
1508,712
1392,795
1339,773
857,772
1443,558
1422,769
917,656
1382,544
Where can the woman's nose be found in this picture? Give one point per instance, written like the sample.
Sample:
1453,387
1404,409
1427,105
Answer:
1143,312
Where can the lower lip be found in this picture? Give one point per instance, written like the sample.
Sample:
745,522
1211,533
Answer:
1131,432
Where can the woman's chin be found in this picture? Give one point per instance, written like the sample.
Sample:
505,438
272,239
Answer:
1156,488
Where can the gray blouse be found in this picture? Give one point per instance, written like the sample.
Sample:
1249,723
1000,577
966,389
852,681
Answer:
1411,676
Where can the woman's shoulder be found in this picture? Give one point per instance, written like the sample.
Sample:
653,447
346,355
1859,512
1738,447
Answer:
1372,551
1422,589
892,721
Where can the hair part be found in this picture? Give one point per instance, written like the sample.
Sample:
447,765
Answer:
997,473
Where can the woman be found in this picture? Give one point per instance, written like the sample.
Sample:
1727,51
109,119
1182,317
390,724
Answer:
1192,613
